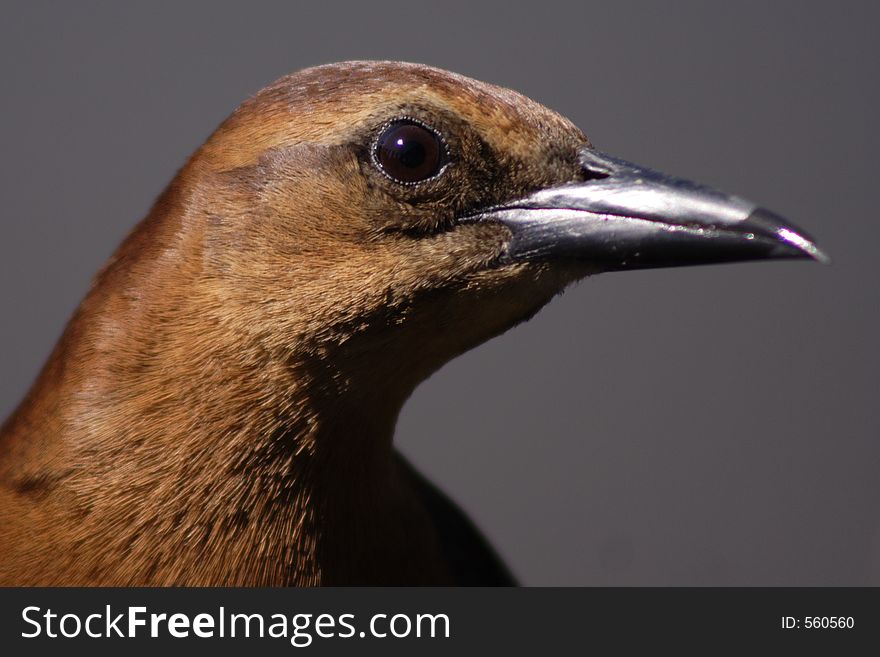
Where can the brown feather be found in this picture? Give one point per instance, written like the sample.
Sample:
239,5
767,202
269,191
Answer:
220,408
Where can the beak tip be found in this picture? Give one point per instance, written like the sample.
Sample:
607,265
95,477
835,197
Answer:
820,256
796,242
802,248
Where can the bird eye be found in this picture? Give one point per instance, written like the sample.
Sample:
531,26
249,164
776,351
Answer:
409,152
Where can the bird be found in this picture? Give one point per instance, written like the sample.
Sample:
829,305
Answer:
220,408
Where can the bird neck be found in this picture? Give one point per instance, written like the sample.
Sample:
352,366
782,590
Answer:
193,447
197,471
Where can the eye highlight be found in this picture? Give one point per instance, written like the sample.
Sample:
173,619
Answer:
409,152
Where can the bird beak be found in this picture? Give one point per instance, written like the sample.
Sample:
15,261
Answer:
629,217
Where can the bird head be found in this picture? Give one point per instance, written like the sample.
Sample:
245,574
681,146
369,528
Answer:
394,215
220,408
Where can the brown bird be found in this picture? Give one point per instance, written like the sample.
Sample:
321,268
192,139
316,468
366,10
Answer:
220,408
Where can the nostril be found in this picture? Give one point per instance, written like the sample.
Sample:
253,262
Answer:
595,165
588,174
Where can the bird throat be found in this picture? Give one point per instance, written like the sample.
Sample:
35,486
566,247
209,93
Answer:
155,452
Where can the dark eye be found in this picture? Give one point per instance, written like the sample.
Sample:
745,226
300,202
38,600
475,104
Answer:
409,152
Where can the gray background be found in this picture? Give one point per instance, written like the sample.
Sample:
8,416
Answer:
714,425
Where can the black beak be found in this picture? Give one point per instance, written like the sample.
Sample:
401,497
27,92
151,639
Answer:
628,217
